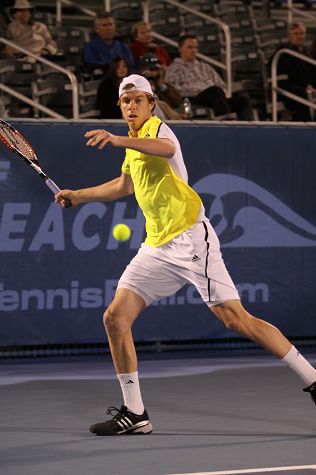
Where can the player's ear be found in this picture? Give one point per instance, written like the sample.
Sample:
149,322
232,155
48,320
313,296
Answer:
152,102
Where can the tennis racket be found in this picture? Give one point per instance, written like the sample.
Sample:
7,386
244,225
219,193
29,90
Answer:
18,144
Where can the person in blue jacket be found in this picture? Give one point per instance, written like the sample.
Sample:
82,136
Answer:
100,51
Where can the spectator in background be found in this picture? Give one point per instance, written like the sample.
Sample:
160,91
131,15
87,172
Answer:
100,52
108,89
167,97
299,73
29,34
143,43
203,85
151,68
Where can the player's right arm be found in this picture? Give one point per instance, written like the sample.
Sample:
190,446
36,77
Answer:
112,190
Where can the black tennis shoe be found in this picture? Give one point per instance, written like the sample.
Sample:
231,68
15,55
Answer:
312,390
123,422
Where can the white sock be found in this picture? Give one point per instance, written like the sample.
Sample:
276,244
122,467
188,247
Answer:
131,392
298,363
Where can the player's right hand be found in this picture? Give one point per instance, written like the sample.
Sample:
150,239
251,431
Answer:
64,197
99,138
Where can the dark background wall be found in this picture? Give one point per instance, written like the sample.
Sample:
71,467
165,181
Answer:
59,268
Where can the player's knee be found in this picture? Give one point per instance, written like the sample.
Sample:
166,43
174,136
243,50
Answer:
237,321
113,322
237,324
232,322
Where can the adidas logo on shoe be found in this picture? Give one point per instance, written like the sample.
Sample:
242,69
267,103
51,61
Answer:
129,382
195,258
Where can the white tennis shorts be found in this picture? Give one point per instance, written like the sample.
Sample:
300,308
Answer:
193,257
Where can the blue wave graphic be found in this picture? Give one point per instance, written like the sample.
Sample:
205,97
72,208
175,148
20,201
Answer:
246,215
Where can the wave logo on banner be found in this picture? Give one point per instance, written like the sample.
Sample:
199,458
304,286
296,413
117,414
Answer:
246,215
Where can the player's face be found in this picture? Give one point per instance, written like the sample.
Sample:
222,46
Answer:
297,36
105,28
136,109
189,49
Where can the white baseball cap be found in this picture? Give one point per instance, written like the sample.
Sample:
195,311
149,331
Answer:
135,83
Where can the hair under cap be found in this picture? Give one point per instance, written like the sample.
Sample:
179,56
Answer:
135,82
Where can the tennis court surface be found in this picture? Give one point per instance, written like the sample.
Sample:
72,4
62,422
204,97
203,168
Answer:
218,414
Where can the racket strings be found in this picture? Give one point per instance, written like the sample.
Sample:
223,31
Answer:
14,140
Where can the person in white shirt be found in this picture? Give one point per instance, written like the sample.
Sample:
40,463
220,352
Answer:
203,85
29,34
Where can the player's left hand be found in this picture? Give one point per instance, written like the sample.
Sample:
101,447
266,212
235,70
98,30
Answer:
99,138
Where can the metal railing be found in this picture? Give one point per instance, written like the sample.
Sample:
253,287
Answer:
284,92
226,30
291,10
30,102
86,11
72,78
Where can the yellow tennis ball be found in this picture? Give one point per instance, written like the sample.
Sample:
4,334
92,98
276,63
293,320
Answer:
121,232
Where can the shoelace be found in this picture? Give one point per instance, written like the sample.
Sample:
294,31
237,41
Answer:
115,411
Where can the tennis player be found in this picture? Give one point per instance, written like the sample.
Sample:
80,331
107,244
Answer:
181,247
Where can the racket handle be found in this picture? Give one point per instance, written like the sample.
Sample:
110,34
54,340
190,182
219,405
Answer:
52,186
55,189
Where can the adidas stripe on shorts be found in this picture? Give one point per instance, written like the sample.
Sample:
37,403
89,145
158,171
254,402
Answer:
193,257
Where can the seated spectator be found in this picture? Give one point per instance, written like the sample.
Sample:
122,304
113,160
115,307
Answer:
107,94
299,73
100,52
143,43
203,85
167,97
151,68
29,34
165,112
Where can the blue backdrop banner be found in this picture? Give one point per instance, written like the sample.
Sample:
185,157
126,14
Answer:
59,268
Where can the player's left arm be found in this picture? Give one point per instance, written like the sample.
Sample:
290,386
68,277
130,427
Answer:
162,147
